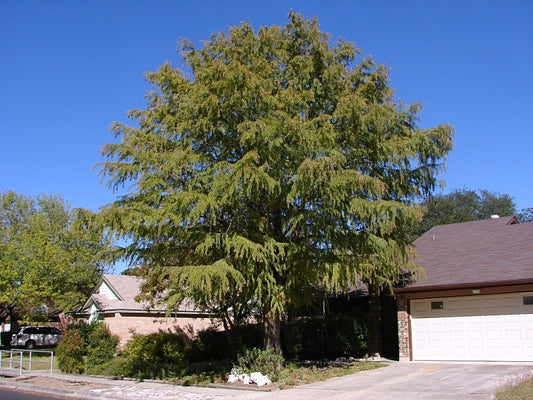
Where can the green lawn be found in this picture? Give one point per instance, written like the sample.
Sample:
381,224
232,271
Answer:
39,361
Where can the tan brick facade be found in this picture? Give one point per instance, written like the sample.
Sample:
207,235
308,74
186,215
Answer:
114,302
125,327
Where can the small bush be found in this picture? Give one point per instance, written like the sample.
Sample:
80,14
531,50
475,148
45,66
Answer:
117,366
70,352
346,337
84,330
213,345
155,356
102,346
209,345
242,337
265,361
85,346
330,337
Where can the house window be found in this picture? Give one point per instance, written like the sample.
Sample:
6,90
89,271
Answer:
528,300
437,305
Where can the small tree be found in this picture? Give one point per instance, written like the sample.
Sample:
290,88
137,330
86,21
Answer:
268,164
51,256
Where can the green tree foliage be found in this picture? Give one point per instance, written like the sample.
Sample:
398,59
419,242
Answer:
526,215
268,164
462,206
50,255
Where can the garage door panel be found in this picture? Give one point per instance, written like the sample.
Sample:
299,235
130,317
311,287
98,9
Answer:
494,319
475,353
494,334
457,336
480,328
513,335
494,352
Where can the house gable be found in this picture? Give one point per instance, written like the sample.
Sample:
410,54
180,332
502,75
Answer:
105,289
113,302
118,294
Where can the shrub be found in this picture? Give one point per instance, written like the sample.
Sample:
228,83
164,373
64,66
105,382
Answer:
85,346
265,361
70,352
84,330
303,338
102,346
213,345
117,366
155,356
210,344
346,337
242,337
330,337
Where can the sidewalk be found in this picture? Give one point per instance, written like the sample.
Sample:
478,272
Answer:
406,381
91,387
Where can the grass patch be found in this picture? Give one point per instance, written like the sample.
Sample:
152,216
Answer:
290,376
302,374
520,391
39,361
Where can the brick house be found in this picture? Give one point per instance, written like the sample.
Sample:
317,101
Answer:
113,302
475,300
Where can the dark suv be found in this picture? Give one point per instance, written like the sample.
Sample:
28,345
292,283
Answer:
33,336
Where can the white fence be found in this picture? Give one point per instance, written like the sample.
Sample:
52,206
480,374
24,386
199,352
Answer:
23,360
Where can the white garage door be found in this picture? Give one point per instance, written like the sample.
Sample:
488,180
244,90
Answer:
474,328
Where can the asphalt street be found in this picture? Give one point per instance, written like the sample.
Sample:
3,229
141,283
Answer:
12,394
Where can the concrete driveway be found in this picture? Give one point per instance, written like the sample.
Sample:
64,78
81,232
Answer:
415,381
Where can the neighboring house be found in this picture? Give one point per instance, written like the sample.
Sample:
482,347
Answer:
113,302
475,302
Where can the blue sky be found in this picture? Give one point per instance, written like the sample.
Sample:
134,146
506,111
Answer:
70,68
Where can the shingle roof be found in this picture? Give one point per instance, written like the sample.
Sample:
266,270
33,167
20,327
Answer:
124,289
491,251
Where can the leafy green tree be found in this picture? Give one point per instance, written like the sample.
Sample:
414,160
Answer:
526,215
269,163
50,255
462,206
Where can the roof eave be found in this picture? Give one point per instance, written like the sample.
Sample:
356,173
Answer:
462,285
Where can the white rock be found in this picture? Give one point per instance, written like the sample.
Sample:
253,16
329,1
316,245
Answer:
259,379
244,378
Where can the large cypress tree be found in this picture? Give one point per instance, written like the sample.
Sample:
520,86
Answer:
270,163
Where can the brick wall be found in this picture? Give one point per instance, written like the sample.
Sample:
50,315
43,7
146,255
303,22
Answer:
126,326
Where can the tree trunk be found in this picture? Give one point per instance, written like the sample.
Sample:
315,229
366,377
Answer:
272,335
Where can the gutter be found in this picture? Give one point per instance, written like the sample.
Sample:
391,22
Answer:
463,285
